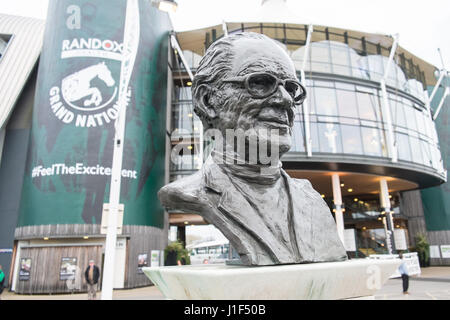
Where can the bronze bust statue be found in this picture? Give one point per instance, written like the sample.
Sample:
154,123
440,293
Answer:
246,81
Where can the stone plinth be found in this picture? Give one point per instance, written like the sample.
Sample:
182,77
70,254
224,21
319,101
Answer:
331,280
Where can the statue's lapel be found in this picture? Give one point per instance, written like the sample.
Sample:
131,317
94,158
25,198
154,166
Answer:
302,217
235,207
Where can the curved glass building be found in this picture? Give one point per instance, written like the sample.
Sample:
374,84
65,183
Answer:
364,136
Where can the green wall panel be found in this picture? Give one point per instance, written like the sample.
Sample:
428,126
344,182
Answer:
67,174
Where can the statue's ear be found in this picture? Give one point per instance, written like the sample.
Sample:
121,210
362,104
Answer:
202,96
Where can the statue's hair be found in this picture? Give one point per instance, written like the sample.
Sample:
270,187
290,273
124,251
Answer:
215,66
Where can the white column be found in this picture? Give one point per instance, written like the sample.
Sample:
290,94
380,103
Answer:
446,93
387,216
130,47
337,199
308,141
391,142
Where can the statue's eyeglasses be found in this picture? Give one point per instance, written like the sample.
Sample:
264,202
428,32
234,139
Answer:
261,85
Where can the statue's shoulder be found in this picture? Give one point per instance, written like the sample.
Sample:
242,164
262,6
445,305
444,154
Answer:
182,191
306,187
304,183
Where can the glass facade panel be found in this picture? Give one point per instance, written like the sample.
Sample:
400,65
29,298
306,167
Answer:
183,93
325,99
420,121
351,139
371,141
298,144
329,138
4,39
340,59
320,57
410,116
314,137
347,104
368,106
398,113
416,150
185,163
185,121
426,153
311,99
403,147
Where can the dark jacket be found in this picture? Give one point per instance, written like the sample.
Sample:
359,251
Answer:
96,274
210,193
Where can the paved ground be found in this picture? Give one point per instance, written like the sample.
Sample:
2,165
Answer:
433,284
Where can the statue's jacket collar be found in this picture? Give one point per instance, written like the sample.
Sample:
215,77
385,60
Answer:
247,231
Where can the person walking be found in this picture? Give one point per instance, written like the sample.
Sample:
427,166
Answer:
2,281
403,269
92,274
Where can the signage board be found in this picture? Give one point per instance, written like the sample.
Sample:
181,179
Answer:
155,258
435,252
25,269
400,239
349,240
142,261
445,251
68,268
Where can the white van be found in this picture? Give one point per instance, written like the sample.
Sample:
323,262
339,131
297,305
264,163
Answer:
209,252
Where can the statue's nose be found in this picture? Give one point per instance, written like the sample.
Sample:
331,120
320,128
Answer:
281,98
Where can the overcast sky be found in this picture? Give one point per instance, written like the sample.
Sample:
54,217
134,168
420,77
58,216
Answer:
423,26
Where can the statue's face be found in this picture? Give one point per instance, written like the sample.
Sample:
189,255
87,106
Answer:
242,109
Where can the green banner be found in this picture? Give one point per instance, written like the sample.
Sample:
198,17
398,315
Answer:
436,201
87,72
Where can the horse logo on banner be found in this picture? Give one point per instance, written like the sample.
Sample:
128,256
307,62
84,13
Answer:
77,86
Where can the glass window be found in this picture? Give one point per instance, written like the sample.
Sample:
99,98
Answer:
311,99
398,113
183,93
416,150
314,137
185,121
368,106
351,139
320,51
347,103
329,138
375,63
371,141
297,56
345,86
420,121
403,147
410,116
298,144
4,39
325,99
320,57
340,59
426,153
360,67
327,84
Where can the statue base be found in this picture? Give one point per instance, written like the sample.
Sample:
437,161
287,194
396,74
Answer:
358,278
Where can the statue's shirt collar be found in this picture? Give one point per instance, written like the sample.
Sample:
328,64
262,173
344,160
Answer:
253,173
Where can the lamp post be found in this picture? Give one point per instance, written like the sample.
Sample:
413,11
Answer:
130,46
